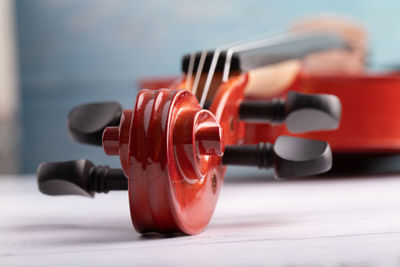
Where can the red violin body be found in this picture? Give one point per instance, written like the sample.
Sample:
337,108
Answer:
370,106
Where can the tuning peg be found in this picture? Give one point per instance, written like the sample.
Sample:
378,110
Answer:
80,177
289,156
300,112
87,122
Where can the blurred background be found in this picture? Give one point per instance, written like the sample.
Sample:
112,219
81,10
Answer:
55,54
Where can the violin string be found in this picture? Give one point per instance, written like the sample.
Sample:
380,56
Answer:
210,76
215,58
198,72
258,41
189,83
272,40
284,33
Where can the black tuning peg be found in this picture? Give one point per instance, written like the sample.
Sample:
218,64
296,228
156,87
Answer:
289,156
87,122
80,177
300,112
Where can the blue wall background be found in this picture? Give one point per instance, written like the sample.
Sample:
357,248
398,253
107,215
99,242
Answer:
74,51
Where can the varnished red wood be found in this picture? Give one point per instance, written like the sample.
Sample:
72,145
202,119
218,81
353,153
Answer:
116,140
170,150
172,161
370,111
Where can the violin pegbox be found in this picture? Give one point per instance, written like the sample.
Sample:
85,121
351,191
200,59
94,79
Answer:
170,151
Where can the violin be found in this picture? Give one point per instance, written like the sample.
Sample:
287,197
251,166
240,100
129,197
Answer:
174,144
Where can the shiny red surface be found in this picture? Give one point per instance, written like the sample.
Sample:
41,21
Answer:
116,140
370,110
170,150
173,160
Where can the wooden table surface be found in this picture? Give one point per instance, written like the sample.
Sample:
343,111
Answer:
331,222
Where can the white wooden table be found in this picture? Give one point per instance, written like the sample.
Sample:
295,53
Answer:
335,222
